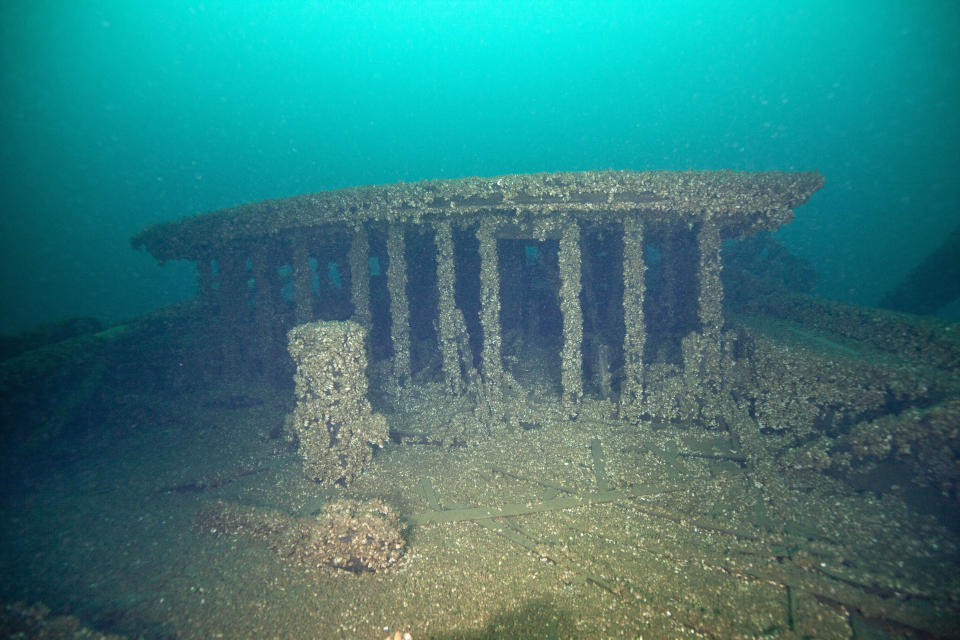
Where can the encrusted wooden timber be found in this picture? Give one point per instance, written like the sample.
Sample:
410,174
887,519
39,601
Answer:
399,306
358,258
737,202
634,337
518,509
492,363
302,296
571,372
447,306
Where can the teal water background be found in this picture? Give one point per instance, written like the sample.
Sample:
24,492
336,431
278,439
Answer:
118,114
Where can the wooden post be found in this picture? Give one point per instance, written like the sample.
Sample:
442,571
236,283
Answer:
710,298
205,281
263,304
232,301
359,259
490,306
634,270
447,306
571,358
399,306
302,294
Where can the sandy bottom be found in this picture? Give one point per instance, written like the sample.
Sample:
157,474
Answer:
629,531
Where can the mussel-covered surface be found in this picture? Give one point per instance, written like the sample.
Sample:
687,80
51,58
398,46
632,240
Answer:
145,496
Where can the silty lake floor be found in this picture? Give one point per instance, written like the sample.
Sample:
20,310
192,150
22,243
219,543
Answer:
620,531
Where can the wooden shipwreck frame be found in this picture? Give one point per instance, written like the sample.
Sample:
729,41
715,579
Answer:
663,224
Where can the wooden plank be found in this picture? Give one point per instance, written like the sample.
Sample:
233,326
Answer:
599,466
436,516
425,489
546,483
512,537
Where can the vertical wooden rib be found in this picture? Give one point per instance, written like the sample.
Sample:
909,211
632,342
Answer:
399,306
490,305
447,306
634,339
571,358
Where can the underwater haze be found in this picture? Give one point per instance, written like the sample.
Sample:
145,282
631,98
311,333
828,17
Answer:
120,114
